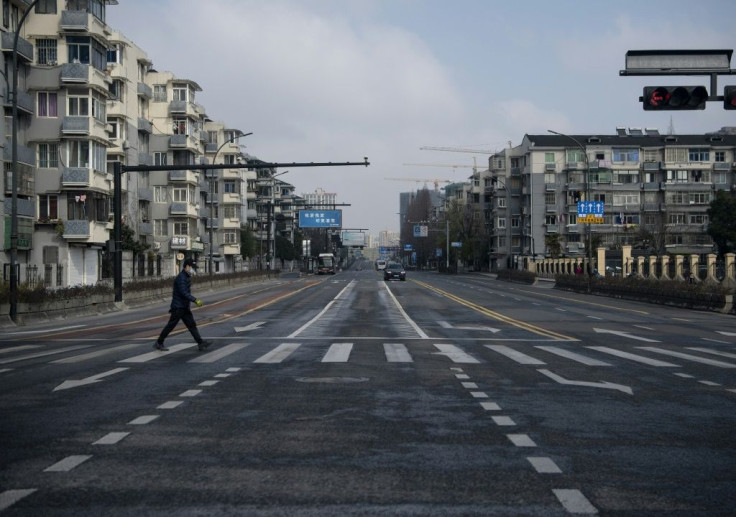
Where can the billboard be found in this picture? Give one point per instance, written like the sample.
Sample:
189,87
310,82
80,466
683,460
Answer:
320,218
353,239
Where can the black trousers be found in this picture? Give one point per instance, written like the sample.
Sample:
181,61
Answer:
187,317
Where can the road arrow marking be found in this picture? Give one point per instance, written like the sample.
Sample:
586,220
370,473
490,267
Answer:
625,334
447,325
252,326
602,384
89,380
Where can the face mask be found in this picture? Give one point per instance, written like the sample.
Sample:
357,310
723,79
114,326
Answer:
191,272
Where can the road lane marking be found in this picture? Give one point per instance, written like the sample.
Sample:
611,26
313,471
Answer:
479,394
67,463
338,353
218,354
625,334
397,353
89,380
171,404
710,383
455,354
572,355
190,393
42,354
206,384
278,354
110,439
602,384
514,355
143,420
685,375
10,497
404,314
321,313
633,357
18,348
544,465
92,355
711,351
505,421
150,356
694,358
574,501
490,406
462,376
470,385
521,440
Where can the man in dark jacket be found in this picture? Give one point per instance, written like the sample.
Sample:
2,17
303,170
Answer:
180,300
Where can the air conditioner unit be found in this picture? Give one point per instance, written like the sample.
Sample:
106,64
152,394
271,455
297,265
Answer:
126,144
51,63
157,245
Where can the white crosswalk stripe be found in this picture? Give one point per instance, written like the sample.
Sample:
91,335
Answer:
397,353
515,355
338,353
219,353
633,357
573,356
689,357
278,354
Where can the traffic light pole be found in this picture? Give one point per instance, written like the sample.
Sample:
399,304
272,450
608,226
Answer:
119,169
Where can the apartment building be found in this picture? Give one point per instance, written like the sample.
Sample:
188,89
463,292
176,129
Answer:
646,180
89,97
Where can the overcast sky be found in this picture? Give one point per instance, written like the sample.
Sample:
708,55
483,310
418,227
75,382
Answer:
337,80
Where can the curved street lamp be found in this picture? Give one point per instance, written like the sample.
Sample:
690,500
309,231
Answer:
587,198
212,195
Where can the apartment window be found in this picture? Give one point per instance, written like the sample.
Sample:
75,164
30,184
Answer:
700,176
626,177
549,198
572,219
83,49
675,155
47,104
181,228
160,227
549,157
651,156
180,93
720,177
160,158
677,176
501,223
115,54
46,51
698,154
502,202
46,7
550,219
230,211
48,207
515,222
78,106
48,156
575,156
179,195
230,187
550,178
625,199
698,219
159,93
94,7
720,156
79,153
99,108
699,198
625,155
180,126
160,194
675,218
230,237
117,90
650,177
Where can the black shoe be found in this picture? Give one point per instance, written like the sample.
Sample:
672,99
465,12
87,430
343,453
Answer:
160,346
203,345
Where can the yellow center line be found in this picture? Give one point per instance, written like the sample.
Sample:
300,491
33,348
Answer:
500,317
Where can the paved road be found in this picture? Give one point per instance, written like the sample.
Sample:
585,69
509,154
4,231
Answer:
346,395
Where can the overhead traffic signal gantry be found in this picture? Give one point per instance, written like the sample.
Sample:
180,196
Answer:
674,98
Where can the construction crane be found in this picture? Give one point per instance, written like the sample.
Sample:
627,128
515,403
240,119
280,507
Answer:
455,149
448,165
436,181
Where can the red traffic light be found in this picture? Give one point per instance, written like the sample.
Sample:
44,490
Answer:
729,98
674,98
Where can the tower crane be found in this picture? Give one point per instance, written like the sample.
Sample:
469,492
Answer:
436,181
454,149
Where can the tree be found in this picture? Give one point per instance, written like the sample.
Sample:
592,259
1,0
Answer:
247,242
722,222
285,250
129,243
553,245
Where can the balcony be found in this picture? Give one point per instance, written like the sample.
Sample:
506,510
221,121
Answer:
722,166
550,167
231,249
232,174
84,178
144,125
25,154
553,228
550,208
182,108
145,228
25,48
145,91
26,103
81,230
82,74
231,223
75,125
183,209
145,159
232,198
184,142
185,176
145,194
652,166
213,223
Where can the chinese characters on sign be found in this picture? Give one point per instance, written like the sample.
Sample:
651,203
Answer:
590,212
320,218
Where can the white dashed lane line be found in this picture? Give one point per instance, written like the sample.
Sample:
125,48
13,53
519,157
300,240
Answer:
68,463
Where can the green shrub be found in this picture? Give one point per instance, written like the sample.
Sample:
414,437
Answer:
517,275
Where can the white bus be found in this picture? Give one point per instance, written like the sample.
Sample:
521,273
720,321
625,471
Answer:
326,264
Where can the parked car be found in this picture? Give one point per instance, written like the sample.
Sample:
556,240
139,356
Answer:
394,270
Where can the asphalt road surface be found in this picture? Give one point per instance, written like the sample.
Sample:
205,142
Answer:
346,395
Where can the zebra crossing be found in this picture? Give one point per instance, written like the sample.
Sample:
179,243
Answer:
391,352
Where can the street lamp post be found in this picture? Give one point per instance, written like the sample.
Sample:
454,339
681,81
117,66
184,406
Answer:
272,222
212,198
587,198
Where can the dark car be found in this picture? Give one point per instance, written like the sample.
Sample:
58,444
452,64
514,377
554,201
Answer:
394,270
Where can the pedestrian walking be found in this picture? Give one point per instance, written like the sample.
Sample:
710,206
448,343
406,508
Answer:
180,300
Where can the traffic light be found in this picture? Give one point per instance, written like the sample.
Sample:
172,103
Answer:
729,98
674,98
